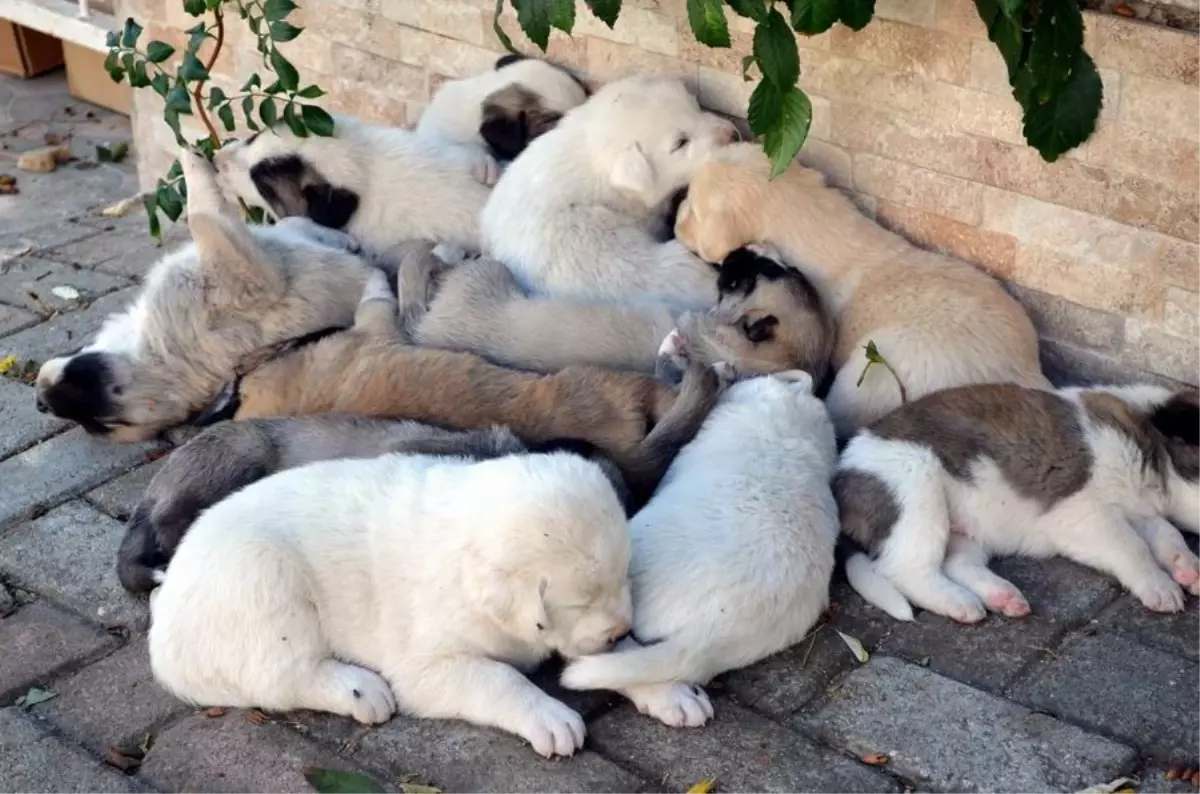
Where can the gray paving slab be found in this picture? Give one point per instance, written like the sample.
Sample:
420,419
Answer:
38,641
118,497
33,761
1178,633
35,232
23,424
13,319
30,283
67,331
942,735
127,251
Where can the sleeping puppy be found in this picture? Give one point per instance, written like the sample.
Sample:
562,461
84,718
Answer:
939,322
362,586
504,109
232,290
574,216
768,318
940,485
732,557
370,371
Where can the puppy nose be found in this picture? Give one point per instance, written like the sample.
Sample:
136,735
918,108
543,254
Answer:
729,134
40,404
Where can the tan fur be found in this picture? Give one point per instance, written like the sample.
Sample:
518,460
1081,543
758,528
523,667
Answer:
937,320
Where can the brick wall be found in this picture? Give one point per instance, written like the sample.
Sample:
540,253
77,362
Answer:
912,114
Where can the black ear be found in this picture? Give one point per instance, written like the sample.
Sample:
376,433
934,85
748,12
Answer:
330,206
504,132
762,330
279,181
1179,419
511,57
739,272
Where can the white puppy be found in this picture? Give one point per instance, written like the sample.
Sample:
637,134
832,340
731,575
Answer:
732,557
939,485
342,568
573,216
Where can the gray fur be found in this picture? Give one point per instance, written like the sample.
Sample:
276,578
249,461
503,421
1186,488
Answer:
866,506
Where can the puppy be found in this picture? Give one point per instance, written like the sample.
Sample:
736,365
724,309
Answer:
768,318
573,216
369,370
360,586
202,308
937,487
938,321
732,557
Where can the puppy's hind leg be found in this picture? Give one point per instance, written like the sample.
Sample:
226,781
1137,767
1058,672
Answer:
376,312
417,274
1171,550
966,563
676,703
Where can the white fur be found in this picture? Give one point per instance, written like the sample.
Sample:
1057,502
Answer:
293,592
571,216
733,555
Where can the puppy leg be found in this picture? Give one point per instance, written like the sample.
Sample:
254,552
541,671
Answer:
376,313
672,358
416,282
487,692
1171,550
966,563
677,704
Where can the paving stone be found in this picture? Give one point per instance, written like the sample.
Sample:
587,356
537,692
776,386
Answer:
1143,696
739,749
1155,782
69,555
66,332
37,233
230,753
23,425
119,497
38,640
127,251
33,761
111,703
945,736
66,465
13,319
29,282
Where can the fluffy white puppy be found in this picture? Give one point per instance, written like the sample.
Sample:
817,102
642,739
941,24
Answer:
340,569
732,557
574,215
938,486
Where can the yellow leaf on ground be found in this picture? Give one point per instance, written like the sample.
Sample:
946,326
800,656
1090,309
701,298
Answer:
7,363
856,647
703,787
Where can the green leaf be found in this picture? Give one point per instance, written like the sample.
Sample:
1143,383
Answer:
248,112
112,39
284,31
179,100
212,5
1056,42
225,114
707,19
161,84
157,51
275,10
196,36
116,154
605,10
171,117
1004,33
747,62
534,18
175,171
254,82
267,112
138,77
855,14
312,92
34,696
1069,117
562,15
317,120
255,25
191,69
499,30
811,17
150,202
751,9
295,122
766,107
775,50
130,33
331,781
169,201
289,80
215,97
273,88
194,8
1012,8
783,141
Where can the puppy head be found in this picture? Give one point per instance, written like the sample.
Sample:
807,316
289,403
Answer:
552,566
1176,425
768,318
648,135
534,97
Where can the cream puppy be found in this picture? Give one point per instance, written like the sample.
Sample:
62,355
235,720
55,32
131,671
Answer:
573,216
938,321
732,557
360,586
940,485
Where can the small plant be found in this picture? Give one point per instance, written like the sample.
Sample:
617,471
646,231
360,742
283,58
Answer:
875,357
184,87
1053,79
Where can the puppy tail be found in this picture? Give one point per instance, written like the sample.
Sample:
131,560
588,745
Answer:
140,559
663,662
875,588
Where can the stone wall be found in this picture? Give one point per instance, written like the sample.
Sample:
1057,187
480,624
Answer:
912,114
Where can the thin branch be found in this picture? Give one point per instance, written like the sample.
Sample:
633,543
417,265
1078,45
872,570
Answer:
213,135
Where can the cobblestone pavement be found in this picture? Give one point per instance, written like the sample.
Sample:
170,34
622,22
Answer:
1090,688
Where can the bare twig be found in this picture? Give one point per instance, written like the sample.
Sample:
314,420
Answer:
197,95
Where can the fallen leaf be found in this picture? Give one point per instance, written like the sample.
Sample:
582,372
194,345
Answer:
114,154
8,185
331,781
216,711
1122,10
703,787
856,647
1120,784
875,759
51,139
417,788
7,363
67,293
35,696
122,207
125,760
255,716
147,743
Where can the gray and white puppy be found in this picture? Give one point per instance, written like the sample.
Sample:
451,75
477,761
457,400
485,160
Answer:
231,455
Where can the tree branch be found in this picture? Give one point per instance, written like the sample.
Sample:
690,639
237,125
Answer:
201,111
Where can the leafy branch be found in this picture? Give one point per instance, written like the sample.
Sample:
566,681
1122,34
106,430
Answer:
186,90
1053,79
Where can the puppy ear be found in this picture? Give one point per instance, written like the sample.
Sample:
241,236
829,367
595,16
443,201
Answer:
539,121
633,173
279,181
1179,419
328,205
514,601
503,130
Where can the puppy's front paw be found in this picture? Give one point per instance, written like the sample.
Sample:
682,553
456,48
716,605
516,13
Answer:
367,696
553,728
1185,569
1159,593
677,704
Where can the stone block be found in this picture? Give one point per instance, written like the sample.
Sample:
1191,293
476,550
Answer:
1178,633
38,641
935,54
1160,108
29,282
1161,158
740,750
66,332
727,60
38,233
120,496
1060,319
1147,50
1148,347
1178,262
111,703
69,554
641,27
922,13
1142,696
1150,204
961,18
1180,313
56,470
608,60
457,20
32,761
127,251
23,424
1117,286
992,251
439,54
945,736
13,319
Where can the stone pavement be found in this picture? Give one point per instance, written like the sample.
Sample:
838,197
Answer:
1090,688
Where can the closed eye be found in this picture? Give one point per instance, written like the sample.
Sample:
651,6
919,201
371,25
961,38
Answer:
681,142
760,330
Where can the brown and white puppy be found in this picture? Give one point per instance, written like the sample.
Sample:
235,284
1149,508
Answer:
1092,474
768,318
370,371
939,322
232,290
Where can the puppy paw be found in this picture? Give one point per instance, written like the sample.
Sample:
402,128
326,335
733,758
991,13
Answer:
962,608
366,696
1185,569
672,358
1007,601
553,728
486,170
1160,594
677,704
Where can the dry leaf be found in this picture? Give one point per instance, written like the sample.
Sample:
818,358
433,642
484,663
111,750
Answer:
34,696
703,787
216,711
417,788
122,207
856,647
125,760
875,759
8,185
333,781
255,716
1120,784
65,292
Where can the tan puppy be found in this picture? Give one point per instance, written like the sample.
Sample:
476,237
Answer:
369,371
938,321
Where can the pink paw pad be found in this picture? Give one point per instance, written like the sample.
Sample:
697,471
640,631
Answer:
1008,602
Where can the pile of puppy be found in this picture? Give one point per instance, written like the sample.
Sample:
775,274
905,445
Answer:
466,353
